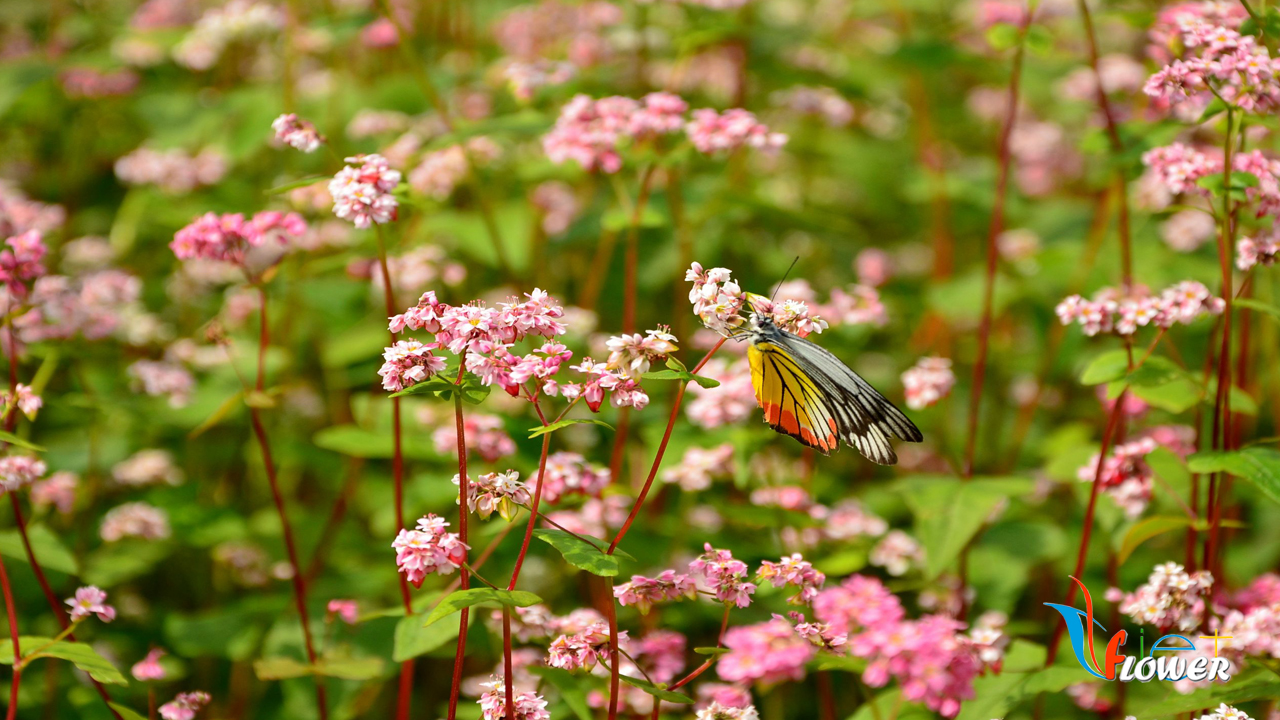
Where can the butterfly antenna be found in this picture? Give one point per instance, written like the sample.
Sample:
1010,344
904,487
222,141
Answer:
777,287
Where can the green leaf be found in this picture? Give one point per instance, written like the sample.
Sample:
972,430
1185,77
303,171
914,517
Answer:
299,183
122,561
662,693
459,599
1039,40
1147,529
20,442
473,391
571,690
413,639
350,668
126,713
619,219
544,429
83,656
1257,306
355,441
1241,689
711,650
950,512
1108,366
218,415
1259,465
1002,36
685,375
582,554
995,695
48,549
280,668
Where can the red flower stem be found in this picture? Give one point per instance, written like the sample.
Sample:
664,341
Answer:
397,477
1113,421
464,576
506,660
515,571
614,677
993,233
11,422
11,614
662,449
291,548
1222,405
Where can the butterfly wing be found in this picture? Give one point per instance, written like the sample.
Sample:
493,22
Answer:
793,403
828,390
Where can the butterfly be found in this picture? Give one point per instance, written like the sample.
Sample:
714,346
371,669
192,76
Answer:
809,394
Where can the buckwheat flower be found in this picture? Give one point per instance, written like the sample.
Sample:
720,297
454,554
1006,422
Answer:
1087,696
790,315
362,191
768,652
727,696
149,668
643,592
716,298
820,635
134,520
582,650
631,355
297,133
163,378
1226,712
793,570
58,490
989,643
1171,599
858,602
496,492
408,363
732,401
558,205
661,113
589,132
929,381
716,711
527,705
185,706
147,467
428,549
229,237
484,436
713,132
346,610
874,267
700,466
526,78
24,399
1256,251
1187,230
1125,475
1255,633
17,471
623,391
568,473
850,519
1262,591
89,600
897,552
173,171
20,262
930,660
441,171
724,576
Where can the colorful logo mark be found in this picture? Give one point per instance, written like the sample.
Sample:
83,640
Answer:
1116,665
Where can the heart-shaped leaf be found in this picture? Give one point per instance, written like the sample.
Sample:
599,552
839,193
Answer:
459,599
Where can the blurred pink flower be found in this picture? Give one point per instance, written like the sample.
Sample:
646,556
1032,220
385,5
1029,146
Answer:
58,490
767,652
88,601
297,133
17,471
644,592
174,171
1171,599
928,382
713,132
23,399
184,706
793,570
149,668
134,520
163,378
724,576
346,610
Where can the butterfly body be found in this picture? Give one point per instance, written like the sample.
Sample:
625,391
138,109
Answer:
809,394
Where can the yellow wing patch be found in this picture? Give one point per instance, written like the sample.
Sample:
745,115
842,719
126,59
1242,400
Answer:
792,403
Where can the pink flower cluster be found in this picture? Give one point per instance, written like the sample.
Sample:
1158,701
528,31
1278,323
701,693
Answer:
1224,64
347,610
92,83
361,191
734,400
149,668
1254,633
1171,599
568,473
558,204
428,549
591,132
229,237
631,355
17,471
58,490
525,78
769,652
496,492
439,172
297,133
930,380
1177,168
1112,312
897,552
93,305
700,466
724,576
1172,22
185,705
1126,477
483,434
717,299
24,399
1226,712
134,520
527,705
533,31
643,592
583,649
407,363
713,132
1257,251
793,570
90,600
20,262
716,711
162,378
173,171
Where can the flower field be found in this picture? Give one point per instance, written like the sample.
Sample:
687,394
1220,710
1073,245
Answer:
640,359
